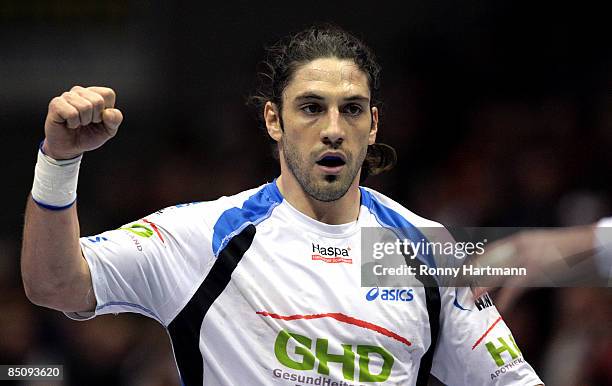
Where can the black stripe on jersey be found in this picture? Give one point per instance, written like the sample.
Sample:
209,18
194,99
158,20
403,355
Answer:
433,303
185,328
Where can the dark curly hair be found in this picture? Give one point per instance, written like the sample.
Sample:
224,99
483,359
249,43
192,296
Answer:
322,41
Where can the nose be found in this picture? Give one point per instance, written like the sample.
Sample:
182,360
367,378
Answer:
333,132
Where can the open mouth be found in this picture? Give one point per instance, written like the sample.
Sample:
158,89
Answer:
331,161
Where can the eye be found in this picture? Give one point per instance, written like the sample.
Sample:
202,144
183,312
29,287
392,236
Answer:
353,109
311,108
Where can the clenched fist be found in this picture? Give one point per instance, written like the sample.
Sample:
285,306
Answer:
80,120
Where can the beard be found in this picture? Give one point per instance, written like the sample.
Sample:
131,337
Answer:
329,187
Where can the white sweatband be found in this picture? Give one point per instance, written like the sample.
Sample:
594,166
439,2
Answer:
603,236
55,181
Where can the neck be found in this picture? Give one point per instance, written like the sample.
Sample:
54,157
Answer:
342,211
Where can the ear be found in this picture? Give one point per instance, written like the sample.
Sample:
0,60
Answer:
273,121
374,128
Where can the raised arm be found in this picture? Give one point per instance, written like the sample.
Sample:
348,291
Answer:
53,269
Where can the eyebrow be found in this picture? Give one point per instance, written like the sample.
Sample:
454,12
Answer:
311,95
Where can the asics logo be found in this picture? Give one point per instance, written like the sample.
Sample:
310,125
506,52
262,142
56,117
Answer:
393,294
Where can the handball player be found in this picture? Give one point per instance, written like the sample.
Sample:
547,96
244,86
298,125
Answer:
263,287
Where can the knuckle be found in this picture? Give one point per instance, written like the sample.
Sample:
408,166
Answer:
54,102
92,99
71,97
72,114
81,103
86,105
76,88
110,92
97,102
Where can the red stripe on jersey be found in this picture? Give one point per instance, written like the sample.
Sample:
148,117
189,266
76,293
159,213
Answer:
344,319
155,229
486,333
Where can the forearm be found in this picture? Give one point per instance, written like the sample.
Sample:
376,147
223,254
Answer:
53,269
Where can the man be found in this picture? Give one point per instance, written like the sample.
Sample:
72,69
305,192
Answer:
263,287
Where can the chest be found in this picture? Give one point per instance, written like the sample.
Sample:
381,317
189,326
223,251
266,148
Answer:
312,286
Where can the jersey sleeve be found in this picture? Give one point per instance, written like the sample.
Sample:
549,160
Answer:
603,258
151,266
475,346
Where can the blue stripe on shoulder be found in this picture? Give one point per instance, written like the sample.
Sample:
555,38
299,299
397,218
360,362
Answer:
254,210
388,218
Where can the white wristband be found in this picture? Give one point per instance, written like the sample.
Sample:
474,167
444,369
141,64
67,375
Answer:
55,181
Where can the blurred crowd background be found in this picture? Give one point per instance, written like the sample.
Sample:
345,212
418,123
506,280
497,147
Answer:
501,113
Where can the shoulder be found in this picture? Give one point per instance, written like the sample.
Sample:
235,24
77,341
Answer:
391,212
405,223
200,219
211,211
229,216
216,208
211,222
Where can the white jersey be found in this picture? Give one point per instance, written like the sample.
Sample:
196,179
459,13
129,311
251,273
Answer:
253,292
